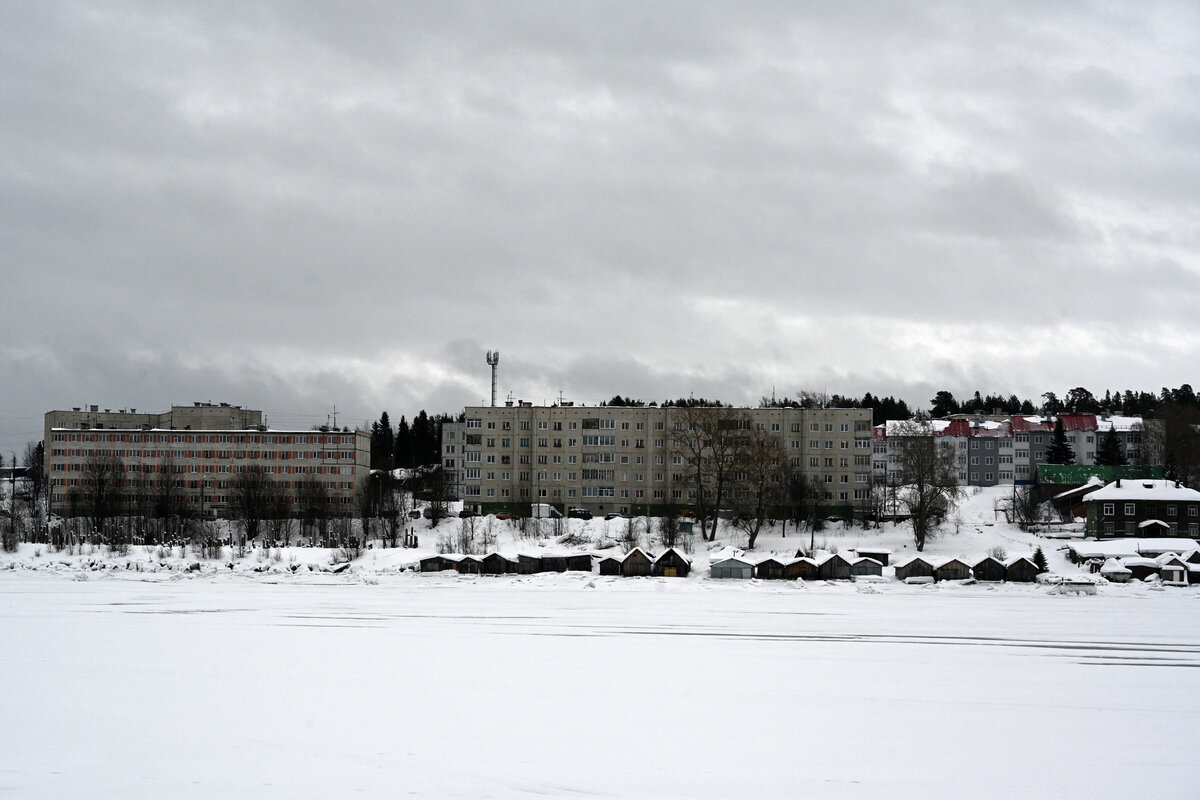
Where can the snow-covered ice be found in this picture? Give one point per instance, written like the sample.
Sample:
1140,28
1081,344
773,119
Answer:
569,685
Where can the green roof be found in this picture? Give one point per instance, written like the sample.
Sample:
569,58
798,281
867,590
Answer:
1078,474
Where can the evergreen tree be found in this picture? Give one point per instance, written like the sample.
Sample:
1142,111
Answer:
943,404
1039,559
383,443
402,451
1059,451
1110,453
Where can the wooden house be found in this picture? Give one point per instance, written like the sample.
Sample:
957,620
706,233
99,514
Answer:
555,562
733,568
989,568
952,570
671,564
769,568
528,564
915,567
1020,570
470,565
610,565
636,563
803,568
579,562
834,568
494,564
433,564
1173,570
862,567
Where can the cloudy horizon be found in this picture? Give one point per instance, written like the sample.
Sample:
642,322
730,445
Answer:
293,207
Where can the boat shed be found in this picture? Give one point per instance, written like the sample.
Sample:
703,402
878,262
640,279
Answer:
732,568
865,566
769,568
882,556
494,564
671,564
952,570
470,565
528,564
579,562
1020,570
834,568
1113,570
915,567
989,568
611,565
635,563
803,568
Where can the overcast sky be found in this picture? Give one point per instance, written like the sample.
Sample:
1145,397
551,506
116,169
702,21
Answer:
293,206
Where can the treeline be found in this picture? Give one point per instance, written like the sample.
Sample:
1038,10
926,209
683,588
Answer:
408,446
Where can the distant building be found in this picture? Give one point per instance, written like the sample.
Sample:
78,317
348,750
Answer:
201,448
1146,508
632,459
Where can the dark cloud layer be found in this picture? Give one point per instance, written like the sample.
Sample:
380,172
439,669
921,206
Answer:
296,206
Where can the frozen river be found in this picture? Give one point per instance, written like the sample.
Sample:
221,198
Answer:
566,686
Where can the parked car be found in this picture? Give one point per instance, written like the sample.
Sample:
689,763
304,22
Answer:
506,515
468,512
616,515
579,513
414,514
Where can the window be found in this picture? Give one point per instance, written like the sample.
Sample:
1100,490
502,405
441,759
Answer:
1130,509
1109,509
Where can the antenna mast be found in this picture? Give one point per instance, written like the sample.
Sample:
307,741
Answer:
493,358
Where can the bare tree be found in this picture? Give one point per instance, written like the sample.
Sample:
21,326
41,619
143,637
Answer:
251,497
709,440
759,480
101,495
669,529
314,510
928,474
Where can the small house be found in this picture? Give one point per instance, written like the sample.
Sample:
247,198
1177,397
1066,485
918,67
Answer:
555,562
433,564
636,563
989,569
834,568
579,562
915,567
803,568
769,568
610,565
952,570
671,564
528,564
1020,570
862,567
732,568
1173,570
494,564
470,565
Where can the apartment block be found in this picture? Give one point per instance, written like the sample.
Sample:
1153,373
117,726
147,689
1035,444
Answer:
633,460
200,448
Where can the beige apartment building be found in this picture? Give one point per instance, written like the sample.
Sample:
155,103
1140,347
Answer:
633,460
201,448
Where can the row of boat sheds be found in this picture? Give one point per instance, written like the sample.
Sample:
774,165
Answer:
672,563
1172,561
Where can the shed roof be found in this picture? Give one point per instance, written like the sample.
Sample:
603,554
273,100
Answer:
1146,489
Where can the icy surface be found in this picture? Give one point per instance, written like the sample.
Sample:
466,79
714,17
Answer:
576,685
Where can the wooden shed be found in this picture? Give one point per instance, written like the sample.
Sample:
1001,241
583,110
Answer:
803,568
989,568
555,562
882,556
1020,570
834,568
579,562
1173,570
470,565
734,568
769,568
611,565
861,567
433,564
952,570
915,567
528,564
1141,568
671,564
635,563
1113,570
494,564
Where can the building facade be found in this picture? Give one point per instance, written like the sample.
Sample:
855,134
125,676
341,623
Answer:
1146,507
634,460
199,449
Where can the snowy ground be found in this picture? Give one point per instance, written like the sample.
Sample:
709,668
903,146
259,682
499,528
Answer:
228,685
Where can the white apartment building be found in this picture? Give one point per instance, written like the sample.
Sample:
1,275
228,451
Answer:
201,448
632,460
